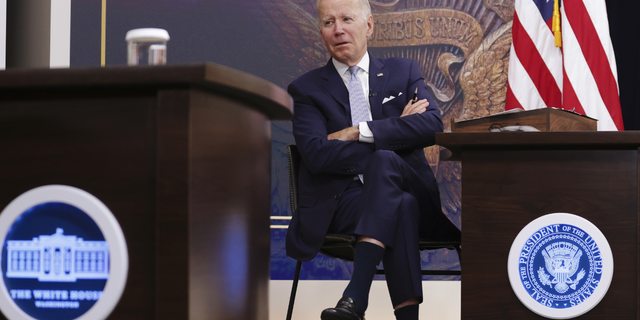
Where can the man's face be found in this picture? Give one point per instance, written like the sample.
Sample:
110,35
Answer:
344,30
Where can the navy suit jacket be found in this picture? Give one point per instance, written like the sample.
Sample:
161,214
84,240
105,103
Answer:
321,107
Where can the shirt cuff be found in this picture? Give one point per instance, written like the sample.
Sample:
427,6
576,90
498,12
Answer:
365,133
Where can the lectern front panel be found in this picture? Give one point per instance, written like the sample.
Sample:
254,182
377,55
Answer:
102,144
503,190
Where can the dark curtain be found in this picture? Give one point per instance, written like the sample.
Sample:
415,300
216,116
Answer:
624,22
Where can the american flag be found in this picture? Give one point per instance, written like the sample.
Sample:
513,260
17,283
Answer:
580,75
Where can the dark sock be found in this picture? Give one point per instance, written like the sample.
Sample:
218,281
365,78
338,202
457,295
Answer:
366,260
409,312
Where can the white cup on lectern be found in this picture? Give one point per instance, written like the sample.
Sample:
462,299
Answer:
147,46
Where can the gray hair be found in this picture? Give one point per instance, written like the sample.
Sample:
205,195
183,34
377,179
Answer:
364,5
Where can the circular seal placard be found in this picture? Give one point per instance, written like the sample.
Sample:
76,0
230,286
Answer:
63,256
560,266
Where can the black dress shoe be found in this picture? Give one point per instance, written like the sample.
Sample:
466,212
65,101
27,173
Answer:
344,310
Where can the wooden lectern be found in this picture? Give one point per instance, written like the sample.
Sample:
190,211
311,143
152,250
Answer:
179,154
544,119
512,178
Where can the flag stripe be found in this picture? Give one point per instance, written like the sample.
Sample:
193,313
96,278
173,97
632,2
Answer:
582,80
525,92
569,98
535,66
511,99
601,23
595,57
540,34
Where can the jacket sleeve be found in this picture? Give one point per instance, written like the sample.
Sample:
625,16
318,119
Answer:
413,131
310,129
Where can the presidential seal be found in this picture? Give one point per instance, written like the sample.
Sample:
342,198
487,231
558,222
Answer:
560,266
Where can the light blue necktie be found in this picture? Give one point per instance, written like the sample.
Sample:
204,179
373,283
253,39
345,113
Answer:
357,100
359,106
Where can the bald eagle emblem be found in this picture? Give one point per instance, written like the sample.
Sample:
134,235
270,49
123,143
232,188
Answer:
561,260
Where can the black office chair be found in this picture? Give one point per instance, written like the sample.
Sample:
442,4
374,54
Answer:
342,246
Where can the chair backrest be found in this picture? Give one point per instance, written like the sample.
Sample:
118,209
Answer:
338,246
294,160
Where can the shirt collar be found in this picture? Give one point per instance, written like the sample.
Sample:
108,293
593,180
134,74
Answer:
343,68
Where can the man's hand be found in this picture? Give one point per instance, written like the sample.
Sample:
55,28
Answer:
348,134
415,107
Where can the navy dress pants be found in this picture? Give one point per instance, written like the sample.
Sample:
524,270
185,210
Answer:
392,206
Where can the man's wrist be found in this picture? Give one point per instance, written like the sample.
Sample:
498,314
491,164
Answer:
354,133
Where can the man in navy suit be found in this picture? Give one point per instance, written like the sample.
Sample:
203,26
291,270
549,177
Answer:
368,178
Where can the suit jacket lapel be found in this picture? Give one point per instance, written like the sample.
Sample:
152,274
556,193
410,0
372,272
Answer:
377,81
336,87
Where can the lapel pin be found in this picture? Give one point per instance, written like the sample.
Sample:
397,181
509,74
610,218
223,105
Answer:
380,74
